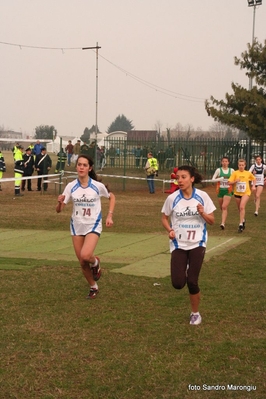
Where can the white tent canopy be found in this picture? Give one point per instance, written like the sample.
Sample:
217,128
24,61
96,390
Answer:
54,146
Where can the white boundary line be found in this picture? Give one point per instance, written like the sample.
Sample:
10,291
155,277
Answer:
217,246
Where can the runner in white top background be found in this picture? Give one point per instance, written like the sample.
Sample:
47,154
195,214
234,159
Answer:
258,170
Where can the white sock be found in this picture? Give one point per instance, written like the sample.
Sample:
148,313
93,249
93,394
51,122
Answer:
195,313
95,286
95,263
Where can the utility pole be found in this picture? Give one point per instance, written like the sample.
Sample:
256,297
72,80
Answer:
254,4
96,105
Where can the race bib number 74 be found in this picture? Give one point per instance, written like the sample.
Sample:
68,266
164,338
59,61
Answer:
83,212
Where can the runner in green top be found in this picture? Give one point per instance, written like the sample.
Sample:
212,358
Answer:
223,189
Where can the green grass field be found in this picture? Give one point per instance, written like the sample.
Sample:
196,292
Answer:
143,254
134,340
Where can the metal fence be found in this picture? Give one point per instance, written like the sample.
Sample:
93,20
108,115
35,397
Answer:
204,154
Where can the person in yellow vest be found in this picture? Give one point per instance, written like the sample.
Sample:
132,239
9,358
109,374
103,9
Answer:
151,169
18,169
15,149
31,146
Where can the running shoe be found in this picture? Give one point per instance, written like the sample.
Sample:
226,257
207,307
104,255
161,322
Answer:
244,224
195,319
222,226
240,228
256,213
96,270
93,293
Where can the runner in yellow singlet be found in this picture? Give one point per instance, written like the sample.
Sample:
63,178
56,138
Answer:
241,179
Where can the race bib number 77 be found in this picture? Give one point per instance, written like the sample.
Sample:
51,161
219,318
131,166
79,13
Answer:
189,233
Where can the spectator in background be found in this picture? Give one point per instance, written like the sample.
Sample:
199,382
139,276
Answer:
28,169
102,158
84,149
187,155
138,154
169,155
112,153
76,151
144,156
37,148
69,149
161,159
151,169
61,161
99,156
2,167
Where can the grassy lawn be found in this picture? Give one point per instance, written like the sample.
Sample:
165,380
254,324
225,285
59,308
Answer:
134,340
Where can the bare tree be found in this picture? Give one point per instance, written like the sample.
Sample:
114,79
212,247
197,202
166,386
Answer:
158,126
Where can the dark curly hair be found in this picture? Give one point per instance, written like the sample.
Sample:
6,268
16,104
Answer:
193,173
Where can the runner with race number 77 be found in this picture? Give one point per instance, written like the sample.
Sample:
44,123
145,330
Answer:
185,215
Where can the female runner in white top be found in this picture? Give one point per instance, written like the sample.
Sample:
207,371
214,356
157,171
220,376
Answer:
86,220
258,170
189,211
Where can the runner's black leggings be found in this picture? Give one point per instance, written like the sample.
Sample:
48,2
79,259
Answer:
180,275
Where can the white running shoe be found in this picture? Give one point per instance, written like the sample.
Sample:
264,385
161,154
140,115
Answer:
195,319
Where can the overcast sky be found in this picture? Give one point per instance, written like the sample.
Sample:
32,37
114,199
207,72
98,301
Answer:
159,60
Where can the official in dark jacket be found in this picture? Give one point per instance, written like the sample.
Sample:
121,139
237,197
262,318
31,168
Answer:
43,164
28,169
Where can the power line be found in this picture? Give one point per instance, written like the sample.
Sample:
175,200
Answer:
21,46
155,87
162,90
